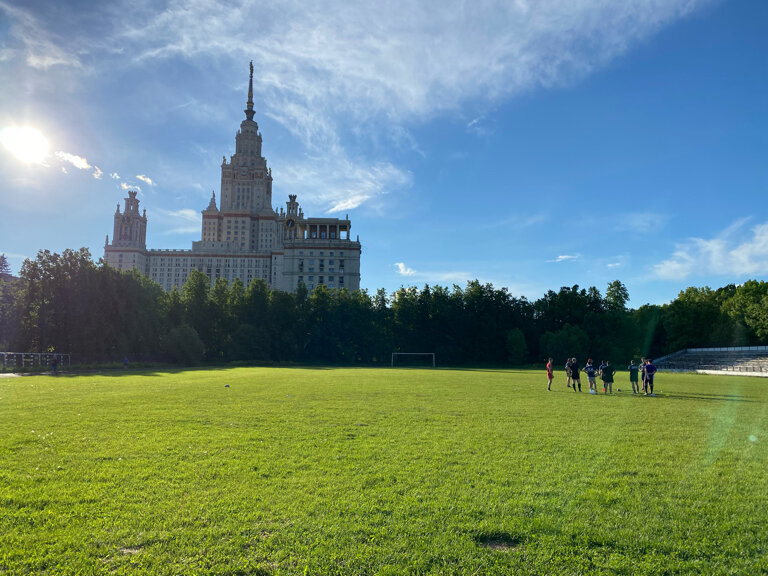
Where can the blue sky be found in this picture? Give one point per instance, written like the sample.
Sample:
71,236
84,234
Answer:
528,144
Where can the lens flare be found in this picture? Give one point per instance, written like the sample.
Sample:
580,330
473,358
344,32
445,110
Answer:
25,143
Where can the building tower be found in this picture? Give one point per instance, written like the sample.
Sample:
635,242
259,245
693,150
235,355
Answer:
129,237
244,237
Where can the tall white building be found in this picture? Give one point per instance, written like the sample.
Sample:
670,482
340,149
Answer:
244,237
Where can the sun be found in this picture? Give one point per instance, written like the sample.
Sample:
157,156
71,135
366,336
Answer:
27,144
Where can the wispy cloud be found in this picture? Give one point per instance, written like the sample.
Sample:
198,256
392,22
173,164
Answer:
74,159
735,252
640,222
187,220
145,178
517,221
346,183
419,58
324,72
115,176
79,162
40,47
564,258
126,186
432,276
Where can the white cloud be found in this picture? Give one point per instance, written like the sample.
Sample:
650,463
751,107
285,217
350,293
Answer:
345,183
74,159
115,176
733,252
432,276
419,57
126,186
564,258
640,222
188,221
145,178
40,48
324,72
97,173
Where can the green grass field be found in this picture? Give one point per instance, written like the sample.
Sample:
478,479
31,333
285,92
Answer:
378,471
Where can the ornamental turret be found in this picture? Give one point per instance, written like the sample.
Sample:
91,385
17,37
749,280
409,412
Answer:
130,227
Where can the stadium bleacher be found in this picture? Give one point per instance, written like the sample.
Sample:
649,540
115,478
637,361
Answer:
746,361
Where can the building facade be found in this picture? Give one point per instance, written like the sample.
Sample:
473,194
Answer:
244,236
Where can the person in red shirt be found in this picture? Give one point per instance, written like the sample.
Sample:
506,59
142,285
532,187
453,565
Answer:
550,375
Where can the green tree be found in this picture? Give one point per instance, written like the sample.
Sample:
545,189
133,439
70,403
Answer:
567,342
5,268
517,349
748,306
616,296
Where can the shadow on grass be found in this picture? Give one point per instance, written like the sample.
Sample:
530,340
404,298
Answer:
707,397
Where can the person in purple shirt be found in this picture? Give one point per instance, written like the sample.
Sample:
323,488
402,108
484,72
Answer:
650,370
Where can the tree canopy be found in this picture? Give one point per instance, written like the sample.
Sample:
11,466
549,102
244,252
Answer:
67,303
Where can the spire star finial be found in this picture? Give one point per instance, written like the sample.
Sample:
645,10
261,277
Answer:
249,105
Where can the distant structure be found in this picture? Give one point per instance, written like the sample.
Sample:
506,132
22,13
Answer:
244,237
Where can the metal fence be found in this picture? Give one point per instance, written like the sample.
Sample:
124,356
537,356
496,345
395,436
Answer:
12,361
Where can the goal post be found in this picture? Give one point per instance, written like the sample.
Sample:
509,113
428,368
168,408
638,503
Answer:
429,356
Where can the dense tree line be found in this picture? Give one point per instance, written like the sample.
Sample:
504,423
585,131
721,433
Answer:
67,303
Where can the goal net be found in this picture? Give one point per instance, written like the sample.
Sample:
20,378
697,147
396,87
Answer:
415,359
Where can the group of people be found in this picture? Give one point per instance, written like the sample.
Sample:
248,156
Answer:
605,371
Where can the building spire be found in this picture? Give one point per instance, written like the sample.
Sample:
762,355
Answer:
249,110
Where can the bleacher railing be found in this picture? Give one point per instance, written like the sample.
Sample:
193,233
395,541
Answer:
11,361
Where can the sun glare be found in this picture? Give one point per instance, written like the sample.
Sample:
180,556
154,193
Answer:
27,144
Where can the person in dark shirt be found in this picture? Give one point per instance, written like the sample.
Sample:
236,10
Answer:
650,370
575,374
607,375
633,370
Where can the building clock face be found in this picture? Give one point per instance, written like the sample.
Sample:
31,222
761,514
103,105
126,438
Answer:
290,223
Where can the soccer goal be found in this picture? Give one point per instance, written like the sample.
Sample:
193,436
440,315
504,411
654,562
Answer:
413,359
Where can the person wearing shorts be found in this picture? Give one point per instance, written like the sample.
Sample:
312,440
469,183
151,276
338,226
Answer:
607,375
643,362
590,371
550,375
650,370
568,372
633,370
575,374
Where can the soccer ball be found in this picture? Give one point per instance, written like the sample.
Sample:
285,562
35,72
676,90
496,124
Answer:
618,389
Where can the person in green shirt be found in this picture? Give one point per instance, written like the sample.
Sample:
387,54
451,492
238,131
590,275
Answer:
607,376
634,369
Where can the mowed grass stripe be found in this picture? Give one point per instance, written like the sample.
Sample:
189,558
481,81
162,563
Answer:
377,471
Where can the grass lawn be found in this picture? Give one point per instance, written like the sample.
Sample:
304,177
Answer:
273,471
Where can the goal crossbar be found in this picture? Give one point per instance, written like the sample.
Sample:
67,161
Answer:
432,354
